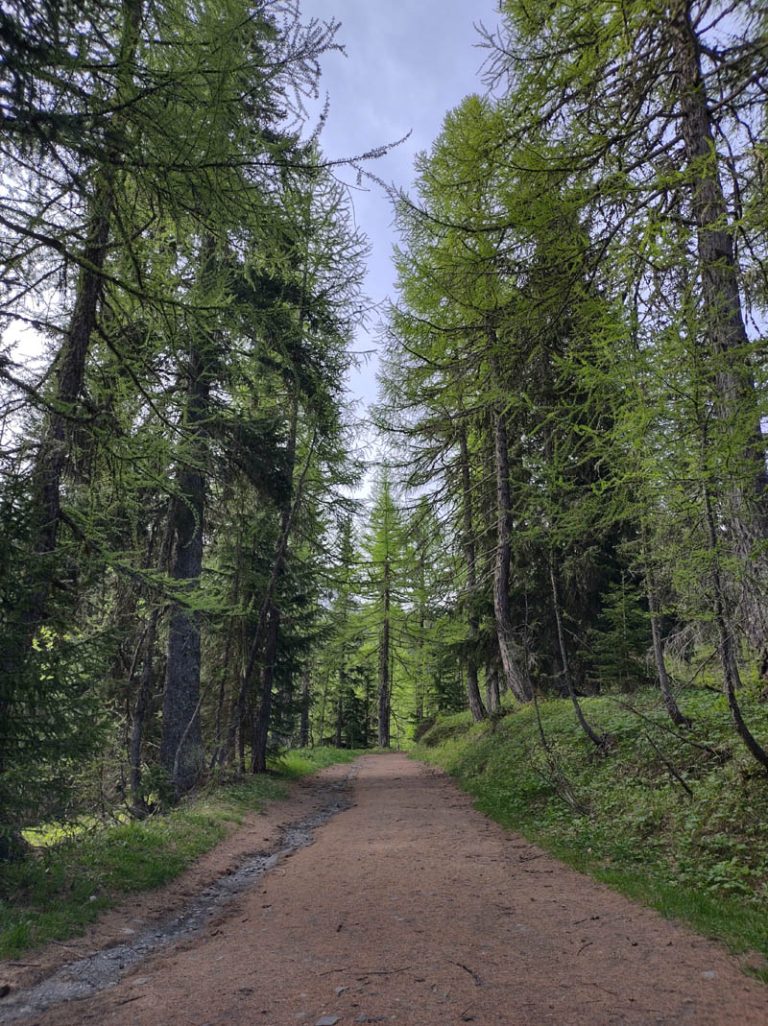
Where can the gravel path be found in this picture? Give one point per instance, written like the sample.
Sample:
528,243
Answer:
412,908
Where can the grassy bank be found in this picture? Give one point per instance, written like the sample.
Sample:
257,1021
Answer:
675,819
63,886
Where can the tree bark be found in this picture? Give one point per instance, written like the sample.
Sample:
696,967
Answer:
473,689
597,740
139,717
263,715
384,678
723,318
516,676
665,685
181,744
493,696
727,646
305,702
278,564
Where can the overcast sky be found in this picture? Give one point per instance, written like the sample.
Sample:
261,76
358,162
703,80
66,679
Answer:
407,63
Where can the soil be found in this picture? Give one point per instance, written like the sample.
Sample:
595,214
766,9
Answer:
409,907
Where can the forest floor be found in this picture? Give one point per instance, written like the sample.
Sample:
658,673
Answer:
409,907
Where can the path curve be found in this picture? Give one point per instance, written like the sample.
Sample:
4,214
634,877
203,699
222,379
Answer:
412,908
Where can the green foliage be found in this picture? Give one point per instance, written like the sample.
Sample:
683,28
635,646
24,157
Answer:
620,641
67,883
676,819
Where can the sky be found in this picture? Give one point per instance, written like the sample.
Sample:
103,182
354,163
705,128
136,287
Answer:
407,63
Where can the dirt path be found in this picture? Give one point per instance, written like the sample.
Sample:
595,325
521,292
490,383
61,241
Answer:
412,908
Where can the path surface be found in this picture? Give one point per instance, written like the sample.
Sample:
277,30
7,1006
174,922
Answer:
411,908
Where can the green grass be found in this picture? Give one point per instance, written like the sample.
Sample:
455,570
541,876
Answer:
628,818
62,887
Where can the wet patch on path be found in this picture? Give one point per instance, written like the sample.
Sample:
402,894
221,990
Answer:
105,968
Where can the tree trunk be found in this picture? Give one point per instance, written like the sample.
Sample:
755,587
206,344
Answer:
384,678
263,716
473,689
723,318
598,740
493,697
338,737
665,685
305,702
139,717
278,563
516,676
181,744
727,647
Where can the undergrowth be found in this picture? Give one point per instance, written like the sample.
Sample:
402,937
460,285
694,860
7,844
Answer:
64,884
676,819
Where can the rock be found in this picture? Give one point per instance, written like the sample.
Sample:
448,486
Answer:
327,1020
5,990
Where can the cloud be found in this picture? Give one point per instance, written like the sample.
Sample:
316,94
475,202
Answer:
407,64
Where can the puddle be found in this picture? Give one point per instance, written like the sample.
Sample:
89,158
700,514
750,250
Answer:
105,968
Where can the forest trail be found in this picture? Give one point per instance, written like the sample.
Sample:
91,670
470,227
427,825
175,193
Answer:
412,908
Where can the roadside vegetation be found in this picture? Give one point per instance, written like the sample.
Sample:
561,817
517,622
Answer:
677,819
76,872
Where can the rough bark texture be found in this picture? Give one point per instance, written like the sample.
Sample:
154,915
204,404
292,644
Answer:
722,314
516,675
492,694
473,690
263,715
181,745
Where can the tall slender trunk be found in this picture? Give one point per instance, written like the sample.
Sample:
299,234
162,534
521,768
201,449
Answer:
323,707
473,689
262,720
224,675
665,684
338,737
265,620
723,318
492,694
385,698
595,738
305,702
516,675
727,645
421,643
367,731
139,716
181,744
